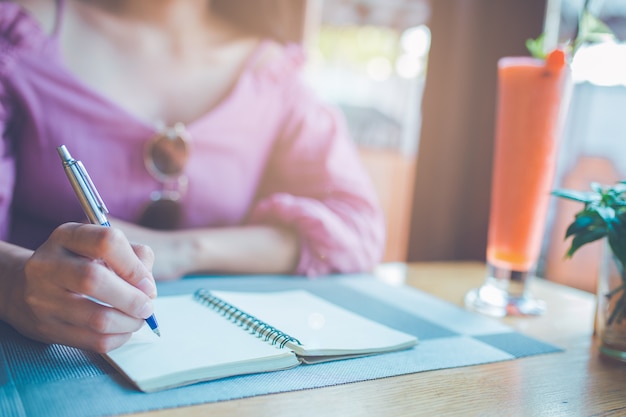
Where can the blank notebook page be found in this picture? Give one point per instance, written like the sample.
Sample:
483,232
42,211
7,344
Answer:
321,327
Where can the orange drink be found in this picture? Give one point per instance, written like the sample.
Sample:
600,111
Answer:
530,106
527,134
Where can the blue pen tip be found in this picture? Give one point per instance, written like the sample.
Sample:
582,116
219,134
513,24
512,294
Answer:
153,325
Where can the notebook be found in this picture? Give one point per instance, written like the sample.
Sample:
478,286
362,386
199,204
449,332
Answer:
216,334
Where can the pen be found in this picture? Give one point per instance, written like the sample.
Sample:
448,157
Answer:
91,202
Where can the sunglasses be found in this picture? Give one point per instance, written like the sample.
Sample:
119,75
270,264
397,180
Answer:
165,158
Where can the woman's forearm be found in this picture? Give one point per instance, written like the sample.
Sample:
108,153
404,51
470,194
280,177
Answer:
251,249
257,249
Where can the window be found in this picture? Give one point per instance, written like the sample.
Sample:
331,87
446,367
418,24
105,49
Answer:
369,58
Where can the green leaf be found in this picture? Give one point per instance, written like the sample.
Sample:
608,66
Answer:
597,187
619,188
582,222
582,239
535,47
603,215
580,196
607,214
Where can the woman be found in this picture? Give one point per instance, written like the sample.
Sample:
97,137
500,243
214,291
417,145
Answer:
201,139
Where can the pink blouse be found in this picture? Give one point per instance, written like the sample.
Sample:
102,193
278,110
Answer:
270,152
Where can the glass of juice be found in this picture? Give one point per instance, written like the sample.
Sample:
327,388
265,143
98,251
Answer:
532,101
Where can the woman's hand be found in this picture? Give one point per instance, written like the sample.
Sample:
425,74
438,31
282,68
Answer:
51,299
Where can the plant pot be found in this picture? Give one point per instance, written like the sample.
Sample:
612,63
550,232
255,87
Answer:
611,306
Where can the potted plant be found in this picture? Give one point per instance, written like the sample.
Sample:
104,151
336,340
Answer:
603,217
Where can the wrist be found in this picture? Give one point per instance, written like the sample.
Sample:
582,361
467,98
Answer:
203,250
174,254
262,249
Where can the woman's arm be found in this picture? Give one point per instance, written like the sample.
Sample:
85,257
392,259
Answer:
316,184
250,249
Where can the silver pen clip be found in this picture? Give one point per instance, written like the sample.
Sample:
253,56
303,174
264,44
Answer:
91,188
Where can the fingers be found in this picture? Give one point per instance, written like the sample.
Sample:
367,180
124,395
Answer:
96,280
58,299
98,318
146,255
90,325
52,315
111,246
107,268
87,339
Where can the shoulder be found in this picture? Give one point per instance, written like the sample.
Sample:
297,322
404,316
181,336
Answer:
24,21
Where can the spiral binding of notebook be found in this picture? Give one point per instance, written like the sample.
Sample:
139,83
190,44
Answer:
246,321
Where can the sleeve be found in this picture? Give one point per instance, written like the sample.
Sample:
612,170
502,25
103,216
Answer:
316,184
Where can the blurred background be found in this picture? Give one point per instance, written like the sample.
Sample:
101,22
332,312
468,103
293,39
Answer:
416,80
370,59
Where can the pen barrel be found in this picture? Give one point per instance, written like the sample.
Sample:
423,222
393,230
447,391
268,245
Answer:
82,189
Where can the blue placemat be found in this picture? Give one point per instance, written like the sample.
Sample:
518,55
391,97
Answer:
45,380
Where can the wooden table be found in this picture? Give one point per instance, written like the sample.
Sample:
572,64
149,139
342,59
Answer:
577,382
